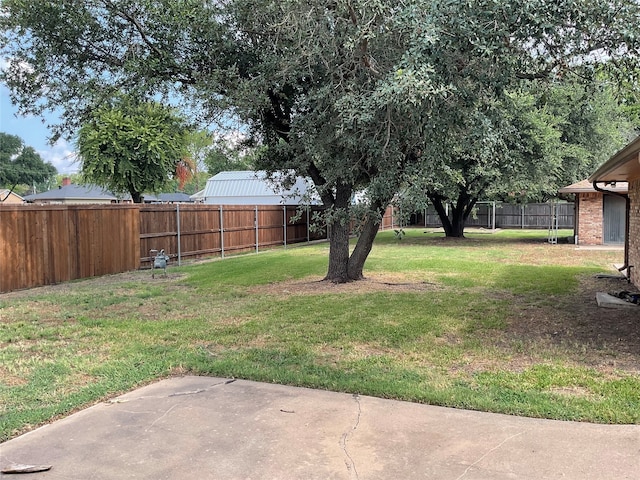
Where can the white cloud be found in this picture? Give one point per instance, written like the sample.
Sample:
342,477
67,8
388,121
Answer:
62,156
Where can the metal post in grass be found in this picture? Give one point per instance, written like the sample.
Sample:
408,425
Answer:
493,220
284,210
221,232
255,221
178,227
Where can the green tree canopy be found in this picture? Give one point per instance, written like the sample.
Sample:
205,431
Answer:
521,147
131,146
229,154
20,164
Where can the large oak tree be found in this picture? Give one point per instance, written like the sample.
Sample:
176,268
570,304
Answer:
523,146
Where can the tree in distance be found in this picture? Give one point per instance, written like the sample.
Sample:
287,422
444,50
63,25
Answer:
20,164
518,148
132,146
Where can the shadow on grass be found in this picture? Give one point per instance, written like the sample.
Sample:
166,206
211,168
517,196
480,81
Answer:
472,238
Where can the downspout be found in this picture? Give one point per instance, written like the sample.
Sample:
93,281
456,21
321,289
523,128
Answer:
627,200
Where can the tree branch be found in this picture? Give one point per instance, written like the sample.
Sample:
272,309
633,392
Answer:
131,19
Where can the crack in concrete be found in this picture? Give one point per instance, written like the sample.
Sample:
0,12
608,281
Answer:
194,392
349,462
190,392
487,453
114,401
160,418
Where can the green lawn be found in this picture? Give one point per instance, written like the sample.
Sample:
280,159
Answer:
437,321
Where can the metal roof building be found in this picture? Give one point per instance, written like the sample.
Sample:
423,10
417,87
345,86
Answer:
254,188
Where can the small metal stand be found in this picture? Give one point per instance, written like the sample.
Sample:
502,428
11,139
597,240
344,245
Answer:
159,260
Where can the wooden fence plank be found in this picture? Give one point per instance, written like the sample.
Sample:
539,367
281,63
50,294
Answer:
45,244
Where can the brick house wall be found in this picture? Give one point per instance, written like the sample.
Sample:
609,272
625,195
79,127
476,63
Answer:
589,215
634,231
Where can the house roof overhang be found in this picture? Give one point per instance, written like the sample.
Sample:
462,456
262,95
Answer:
624,166
585,186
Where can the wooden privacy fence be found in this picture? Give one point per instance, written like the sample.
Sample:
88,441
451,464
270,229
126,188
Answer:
506,215
184,230
43,245
48,244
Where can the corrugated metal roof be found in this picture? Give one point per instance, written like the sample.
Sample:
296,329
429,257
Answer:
198,195
252,187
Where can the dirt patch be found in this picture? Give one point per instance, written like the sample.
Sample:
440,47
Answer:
601,337
575,392
373,283
11,379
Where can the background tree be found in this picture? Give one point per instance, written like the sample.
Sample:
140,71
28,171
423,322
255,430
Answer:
20,164
185,170
482,141
199,143
566,130
522,147
231,155
132,146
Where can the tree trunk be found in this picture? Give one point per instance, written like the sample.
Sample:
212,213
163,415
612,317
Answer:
338,252
438,204
136,197
454,226
365,243
339,229
458,218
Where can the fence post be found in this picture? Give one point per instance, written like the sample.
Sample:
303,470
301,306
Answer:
522,216
493,220
308,225
255,221
284,211
178,226
221,233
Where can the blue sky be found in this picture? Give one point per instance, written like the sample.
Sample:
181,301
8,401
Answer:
34,133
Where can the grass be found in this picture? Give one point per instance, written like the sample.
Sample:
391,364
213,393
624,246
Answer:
434,323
